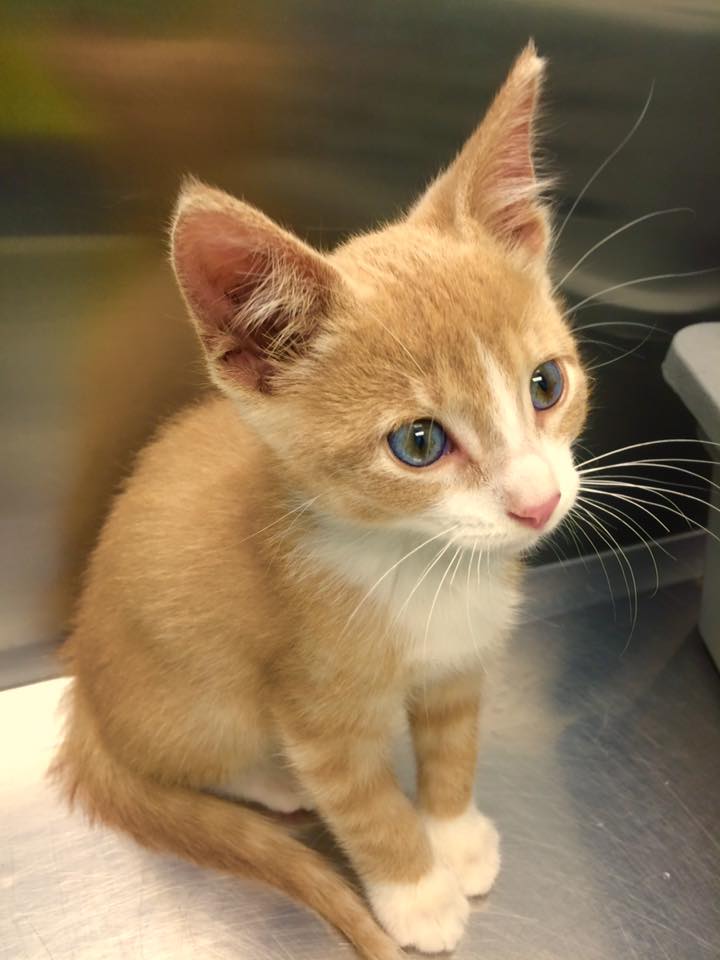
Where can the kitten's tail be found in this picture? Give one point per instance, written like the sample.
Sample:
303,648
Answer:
212,832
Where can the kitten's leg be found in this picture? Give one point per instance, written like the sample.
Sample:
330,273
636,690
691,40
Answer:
416,897
269,782
444,721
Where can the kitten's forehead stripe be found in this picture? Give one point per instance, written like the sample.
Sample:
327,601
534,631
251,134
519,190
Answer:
467,435
506,420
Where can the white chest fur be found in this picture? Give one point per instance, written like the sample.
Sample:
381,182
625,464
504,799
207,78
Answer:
447,605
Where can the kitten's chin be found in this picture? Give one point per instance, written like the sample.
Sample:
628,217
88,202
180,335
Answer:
510,543
499,546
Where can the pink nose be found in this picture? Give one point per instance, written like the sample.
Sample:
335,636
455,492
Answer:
535,515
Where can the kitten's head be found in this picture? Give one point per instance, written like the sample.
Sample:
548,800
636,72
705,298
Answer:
420,377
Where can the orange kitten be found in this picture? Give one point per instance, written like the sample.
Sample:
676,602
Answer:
292,566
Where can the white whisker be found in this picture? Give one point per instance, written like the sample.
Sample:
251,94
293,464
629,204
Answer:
628,136
569,528
460,556
619,552
435,598
301,509
623,356
634,528
479,561
636,281
467,594
622,496
558,553
395,565
402,346
616,323
425,572
616,233
671,509
652,489
581,521
668,464
645,443
636,500
661,482
584,341
628,479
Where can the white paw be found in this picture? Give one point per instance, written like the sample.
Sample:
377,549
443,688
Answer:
470,846
429,915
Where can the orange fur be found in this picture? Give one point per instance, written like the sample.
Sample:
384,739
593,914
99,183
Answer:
239,607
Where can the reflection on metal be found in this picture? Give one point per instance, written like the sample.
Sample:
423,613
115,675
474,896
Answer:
601,771
330,116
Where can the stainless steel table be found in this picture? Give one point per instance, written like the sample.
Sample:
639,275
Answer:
601,765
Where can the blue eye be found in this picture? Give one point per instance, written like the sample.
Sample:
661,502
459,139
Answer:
420,443
546,385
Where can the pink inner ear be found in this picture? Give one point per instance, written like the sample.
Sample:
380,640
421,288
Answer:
221,262
492,182
518,221
217,264
255,290
247,368
516,161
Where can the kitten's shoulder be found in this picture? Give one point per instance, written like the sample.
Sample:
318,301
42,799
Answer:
204,444
203,464
211,429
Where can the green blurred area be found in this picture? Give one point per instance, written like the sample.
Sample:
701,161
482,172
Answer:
32,103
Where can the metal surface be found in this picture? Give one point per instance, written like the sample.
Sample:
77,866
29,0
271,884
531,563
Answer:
330,116
601,766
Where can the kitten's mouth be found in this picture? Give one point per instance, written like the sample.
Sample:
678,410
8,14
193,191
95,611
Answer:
513,540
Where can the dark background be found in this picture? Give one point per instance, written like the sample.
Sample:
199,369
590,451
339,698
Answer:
329,115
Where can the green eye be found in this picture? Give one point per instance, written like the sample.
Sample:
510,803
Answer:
546,385
420,443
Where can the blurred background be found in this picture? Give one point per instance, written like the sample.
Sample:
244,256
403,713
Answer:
329,116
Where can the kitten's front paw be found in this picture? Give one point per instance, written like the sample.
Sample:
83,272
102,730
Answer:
469,845
429,915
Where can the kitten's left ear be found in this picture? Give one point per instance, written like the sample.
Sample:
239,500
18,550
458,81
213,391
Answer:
492,182
257,294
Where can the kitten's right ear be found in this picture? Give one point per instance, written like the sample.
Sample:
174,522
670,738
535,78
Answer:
492,183
256,293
